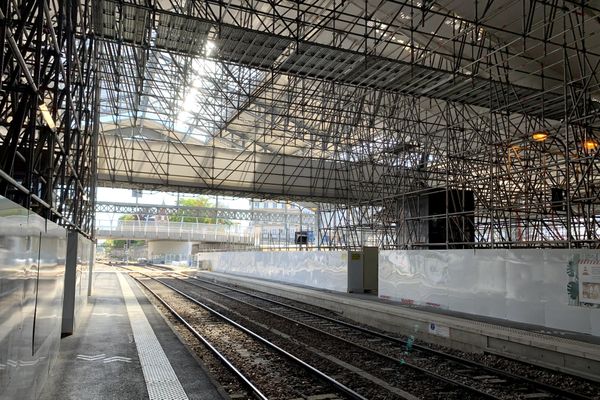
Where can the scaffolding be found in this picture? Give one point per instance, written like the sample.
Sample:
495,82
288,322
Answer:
47,110
408,124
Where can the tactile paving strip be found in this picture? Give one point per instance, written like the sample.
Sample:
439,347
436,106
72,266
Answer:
161,380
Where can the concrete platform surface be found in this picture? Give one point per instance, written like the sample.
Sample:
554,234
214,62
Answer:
108,359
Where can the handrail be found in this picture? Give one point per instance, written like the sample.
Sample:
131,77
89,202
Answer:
177,231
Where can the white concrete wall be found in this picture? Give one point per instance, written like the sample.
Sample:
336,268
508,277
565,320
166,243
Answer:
160,247
320,269
526,285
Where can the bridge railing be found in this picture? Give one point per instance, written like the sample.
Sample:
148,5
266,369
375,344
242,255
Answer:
191,231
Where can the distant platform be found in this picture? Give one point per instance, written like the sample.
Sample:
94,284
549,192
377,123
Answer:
124,349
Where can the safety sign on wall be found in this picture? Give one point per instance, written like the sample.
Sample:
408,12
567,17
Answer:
439,330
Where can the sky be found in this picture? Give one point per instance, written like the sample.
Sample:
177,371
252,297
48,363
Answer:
149,197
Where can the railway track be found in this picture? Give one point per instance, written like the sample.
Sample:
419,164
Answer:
483,380
158,268
371,374
152,268
267,370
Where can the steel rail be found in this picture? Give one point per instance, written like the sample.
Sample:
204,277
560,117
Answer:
457,359
339,386
366,349
245,380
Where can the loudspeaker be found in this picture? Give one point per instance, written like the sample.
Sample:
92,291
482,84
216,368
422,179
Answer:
301,237
558,199
460,228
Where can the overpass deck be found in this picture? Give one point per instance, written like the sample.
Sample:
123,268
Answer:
168,230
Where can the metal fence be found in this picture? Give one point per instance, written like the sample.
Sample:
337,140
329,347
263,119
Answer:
168,230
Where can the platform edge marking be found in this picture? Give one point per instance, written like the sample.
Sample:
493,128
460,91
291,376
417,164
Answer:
161,380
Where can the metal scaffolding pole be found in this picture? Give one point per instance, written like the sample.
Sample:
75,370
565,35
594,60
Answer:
47,110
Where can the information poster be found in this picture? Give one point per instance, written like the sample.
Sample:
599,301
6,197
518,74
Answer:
589,281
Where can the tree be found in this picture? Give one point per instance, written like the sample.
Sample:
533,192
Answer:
129,217
199,202
120,243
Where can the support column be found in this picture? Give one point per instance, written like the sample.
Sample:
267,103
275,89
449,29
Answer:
91,268
68,315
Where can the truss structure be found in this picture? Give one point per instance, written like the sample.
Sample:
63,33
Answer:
264,216
413,124
47,99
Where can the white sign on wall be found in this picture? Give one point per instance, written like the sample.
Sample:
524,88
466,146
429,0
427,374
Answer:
439,330
589,281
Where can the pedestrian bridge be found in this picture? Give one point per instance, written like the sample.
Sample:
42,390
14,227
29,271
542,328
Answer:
182,231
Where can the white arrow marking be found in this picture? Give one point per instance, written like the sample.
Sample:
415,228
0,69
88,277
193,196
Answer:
113,359
103,357
29,363
118,358
91,358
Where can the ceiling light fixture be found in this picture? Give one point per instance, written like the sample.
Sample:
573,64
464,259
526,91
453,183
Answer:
539,136
590,144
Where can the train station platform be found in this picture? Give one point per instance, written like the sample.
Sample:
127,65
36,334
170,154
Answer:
559,350
123,349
